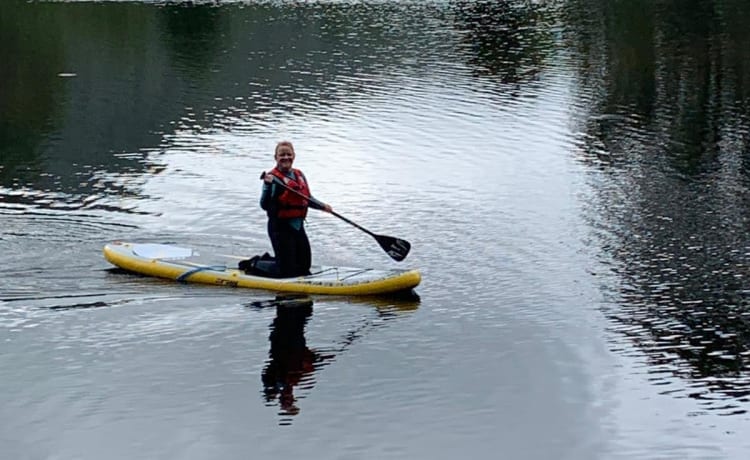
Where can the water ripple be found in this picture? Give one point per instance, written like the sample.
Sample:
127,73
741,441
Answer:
570,176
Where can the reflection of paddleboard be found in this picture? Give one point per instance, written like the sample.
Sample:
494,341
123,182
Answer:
185,264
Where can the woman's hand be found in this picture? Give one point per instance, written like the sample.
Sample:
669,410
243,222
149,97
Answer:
268,179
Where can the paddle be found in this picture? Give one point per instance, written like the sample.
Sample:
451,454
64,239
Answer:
394,247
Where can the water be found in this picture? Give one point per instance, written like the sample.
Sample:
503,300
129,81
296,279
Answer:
572,177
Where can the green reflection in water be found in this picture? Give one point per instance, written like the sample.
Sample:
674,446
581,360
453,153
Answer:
193,34
31,54
506,40
666,117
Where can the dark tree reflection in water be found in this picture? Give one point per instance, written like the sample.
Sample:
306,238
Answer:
667,135
507,41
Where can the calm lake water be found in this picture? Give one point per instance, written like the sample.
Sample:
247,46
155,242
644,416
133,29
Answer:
573,177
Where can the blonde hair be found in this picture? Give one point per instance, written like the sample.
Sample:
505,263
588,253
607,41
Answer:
283,144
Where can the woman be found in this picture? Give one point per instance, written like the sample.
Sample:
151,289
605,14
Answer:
286,214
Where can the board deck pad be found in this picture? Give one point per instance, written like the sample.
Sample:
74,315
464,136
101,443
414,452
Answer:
162,251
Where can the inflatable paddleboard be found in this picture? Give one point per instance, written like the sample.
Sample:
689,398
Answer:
188,265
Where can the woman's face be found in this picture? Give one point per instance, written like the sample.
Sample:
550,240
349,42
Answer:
284,158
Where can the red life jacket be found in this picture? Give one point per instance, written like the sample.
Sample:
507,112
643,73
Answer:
292,205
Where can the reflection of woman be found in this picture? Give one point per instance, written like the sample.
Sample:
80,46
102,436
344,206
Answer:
290,360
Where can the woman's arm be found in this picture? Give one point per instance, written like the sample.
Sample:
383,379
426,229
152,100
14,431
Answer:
267,196
317,204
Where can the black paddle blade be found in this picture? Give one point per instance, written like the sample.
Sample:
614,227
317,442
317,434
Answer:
396,248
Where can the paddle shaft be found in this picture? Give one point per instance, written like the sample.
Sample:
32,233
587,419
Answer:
278,181
396,248
352,223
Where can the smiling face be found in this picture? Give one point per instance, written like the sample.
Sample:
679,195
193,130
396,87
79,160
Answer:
284,156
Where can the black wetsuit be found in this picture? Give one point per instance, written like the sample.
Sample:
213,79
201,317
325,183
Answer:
288,237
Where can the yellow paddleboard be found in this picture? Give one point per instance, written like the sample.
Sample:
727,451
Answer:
187,265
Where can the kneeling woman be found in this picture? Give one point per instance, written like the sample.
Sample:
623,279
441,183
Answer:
286,214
